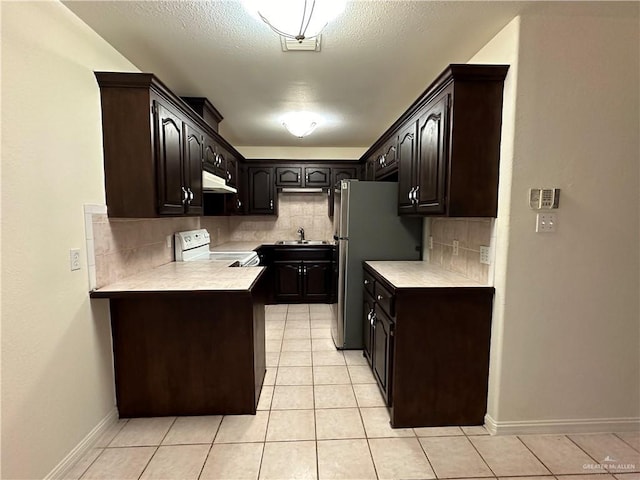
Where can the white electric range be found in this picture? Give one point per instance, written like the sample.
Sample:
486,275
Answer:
193,246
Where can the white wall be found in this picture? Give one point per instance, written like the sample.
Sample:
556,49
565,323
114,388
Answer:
57,379
566,331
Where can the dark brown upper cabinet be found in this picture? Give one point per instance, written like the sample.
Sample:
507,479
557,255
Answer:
317,177
154,148
448,145
298,176
289,176
192,168
337,174
386,160
232,170
422,155
203,107
215,160
262,192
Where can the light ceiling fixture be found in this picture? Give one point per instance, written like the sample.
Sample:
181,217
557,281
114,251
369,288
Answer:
296,19
300,124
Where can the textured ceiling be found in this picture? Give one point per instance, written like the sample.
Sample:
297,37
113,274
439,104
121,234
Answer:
376,58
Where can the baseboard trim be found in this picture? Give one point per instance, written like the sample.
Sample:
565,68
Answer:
87,443
588,425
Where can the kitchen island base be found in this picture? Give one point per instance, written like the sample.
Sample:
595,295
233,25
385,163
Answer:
197,354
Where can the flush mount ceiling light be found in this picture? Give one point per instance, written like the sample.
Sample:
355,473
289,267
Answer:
300,124
296,19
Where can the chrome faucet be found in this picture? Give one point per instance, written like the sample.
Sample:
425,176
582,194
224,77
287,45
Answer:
301,233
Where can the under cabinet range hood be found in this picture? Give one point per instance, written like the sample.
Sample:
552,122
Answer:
213,184
301,189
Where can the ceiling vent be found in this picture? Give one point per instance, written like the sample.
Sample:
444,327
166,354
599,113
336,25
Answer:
306,45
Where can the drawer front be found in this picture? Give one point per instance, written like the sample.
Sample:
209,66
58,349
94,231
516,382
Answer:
368,282
385,299
303,253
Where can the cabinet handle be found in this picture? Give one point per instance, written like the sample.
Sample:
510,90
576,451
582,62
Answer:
228,176
415,194
373,320
271,204
411,195
379,297
185,195
190,195
306,178
366,282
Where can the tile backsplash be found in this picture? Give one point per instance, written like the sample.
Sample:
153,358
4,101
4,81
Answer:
118,247
307,210
124,247
470,233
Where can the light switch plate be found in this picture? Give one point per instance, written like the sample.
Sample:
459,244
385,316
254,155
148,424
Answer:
430,242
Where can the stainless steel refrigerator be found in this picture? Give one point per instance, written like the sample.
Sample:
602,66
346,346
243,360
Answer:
367,227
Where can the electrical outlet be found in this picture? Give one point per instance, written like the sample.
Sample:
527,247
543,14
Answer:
74,259
484,255
430,242
546,222
168,241
455,247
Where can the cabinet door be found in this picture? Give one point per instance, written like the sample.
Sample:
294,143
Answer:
317,281
261,191
317,176
343,173
212,158
367,325
431,155
193,149
406,156
337,174
382,352
232,170
287,281
235,203
370,169
288,176
172,195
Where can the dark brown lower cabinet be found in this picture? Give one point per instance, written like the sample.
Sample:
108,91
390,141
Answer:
300,274
188,354
429,351
287,281
302,282
382,346
367,325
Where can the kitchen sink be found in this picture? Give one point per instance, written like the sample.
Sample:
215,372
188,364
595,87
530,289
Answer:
303,242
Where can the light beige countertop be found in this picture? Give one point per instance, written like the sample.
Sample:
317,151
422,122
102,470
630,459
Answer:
417,274
206,276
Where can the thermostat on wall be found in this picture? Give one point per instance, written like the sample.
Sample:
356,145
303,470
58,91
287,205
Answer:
544,198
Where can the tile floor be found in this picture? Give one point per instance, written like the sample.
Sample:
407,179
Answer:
321,416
